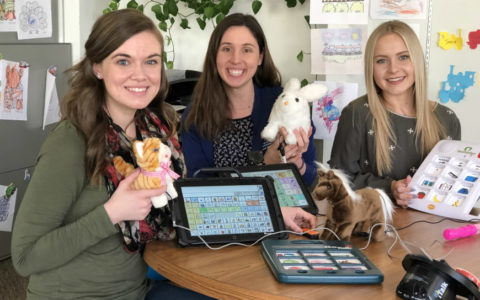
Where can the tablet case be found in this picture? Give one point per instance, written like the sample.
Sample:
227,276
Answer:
260,212
289,185
318,261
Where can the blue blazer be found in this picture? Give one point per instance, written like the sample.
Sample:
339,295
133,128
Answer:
198,152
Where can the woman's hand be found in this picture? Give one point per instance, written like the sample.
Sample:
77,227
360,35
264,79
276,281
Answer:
402,192
127,204
296,218
293,153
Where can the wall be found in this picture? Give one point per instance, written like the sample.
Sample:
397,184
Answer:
288,33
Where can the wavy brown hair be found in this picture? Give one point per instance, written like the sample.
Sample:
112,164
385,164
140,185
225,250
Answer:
428,128
84,103
211,111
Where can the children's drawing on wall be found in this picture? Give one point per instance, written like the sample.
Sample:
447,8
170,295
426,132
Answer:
454,87
473,39
51,111
14,87
34,19
398,9
7,15
339,12
326,111
8,198
338,51
447,40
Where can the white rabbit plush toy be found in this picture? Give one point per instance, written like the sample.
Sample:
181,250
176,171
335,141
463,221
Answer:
291,110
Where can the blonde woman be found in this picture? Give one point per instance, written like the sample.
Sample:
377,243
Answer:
383,136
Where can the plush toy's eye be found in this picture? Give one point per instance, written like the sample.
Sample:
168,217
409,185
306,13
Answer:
283,96
155,149
296,100
329,186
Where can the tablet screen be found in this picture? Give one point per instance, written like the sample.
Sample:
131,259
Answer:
226,209
288,190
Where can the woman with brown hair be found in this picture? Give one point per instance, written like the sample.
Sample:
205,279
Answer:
232,102
68,232
383,137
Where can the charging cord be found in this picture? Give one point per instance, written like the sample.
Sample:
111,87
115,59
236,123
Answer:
257,241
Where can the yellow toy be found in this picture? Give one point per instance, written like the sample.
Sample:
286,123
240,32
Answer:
153,158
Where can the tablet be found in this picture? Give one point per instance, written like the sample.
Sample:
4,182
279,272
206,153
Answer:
318,261
289,186
224,210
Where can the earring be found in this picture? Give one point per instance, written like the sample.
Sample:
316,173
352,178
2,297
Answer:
98,75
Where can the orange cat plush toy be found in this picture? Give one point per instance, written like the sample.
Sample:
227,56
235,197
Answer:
153,158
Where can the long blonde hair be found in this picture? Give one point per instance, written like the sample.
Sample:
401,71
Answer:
428,129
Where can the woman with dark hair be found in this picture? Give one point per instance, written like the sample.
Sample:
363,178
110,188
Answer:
67,235
383,137
232,102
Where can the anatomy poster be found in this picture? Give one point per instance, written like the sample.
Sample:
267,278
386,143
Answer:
8,198
326,111
34,19
398,9
13,90
7,15
338,50
339,12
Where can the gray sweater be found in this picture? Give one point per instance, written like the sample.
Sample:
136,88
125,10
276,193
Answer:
353,149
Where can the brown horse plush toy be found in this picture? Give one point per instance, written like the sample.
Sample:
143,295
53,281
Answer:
348,210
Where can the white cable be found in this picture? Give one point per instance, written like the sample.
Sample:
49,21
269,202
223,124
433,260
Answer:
257,241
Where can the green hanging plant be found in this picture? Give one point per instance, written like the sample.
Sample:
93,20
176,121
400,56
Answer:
167,13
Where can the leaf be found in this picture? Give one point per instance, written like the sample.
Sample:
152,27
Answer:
164,57
209,12
300,56
173,8
106,10
140,7
157,9
184,24
172,21
166,10
225,6
256,5
301,1
304,82
169,65
219,18
169,40
132,4
163,26
201,23
307,18
291,3
113,5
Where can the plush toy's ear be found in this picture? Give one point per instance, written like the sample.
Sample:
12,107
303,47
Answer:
138,149
292,85
313,91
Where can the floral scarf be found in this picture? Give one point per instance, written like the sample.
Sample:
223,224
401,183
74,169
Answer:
158,223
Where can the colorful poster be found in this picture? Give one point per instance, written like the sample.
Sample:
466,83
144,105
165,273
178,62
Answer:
34,19
338,12
338,50
326,111
398,9
13,90
7,16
